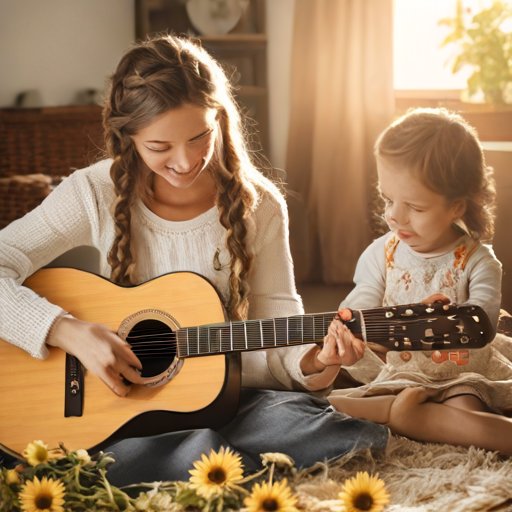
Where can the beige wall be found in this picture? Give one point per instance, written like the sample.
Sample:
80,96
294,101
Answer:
500,158
60,46
279,34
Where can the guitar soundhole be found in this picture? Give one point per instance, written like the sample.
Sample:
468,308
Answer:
154,343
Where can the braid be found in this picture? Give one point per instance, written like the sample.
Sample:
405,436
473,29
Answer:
126,178
233,204
235,201
120,257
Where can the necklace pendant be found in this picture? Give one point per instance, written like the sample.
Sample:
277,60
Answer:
216,261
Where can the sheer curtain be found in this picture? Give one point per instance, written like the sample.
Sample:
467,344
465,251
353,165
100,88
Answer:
341,99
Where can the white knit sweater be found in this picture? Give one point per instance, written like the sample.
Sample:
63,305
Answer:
78,212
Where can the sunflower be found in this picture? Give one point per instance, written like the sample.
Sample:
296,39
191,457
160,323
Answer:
276,498
46,495
364,493
214,473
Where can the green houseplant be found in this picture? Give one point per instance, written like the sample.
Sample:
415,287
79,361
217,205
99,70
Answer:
486,45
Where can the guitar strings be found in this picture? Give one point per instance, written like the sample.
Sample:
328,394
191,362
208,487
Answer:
224,336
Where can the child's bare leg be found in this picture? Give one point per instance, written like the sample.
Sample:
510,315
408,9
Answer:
412,416
372,408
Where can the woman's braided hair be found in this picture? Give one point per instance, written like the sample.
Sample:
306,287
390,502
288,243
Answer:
153,77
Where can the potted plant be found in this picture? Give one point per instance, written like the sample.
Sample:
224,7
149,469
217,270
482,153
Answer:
485,43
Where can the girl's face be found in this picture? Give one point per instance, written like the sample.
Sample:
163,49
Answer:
179,144
419,216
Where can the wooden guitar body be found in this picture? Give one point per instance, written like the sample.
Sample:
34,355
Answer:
205,392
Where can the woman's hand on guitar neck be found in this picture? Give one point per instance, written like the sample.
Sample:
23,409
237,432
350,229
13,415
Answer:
340,347
100,350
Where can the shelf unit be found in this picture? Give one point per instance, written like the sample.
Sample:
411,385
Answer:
242,53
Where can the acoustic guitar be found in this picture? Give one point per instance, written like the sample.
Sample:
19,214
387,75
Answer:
190,355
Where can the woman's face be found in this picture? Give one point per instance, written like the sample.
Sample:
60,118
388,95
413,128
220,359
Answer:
179,144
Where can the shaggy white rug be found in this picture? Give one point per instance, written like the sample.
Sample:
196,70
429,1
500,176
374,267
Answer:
419,478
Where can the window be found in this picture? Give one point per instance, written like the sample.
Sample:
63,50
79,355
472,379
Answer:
420,61
423,68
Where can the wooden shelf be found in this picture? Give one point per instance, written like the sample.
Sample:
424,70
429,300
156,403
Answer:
236,42
242,52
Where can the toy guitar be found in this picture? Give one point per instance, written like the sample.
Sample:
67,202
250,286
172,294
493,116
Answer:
190,356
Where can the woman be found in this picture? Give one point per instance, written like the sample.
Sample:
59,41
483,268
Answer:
179,192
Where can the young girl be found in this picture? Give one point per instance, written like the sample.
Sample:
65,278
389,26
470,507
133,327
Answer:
179,193
438,196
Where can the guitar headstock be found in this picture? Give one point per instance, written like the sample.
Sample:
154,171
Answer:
421,326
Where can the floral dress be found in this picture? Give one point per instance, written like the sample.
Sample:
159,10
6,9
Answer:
469,272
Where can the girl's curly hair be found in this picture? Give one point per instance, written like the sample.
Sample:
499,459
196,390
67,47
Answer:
444,152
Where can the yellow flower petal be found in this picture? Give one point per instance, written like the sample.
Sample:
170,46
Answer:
276,498
215,473
36,453
364,493
12,477
46,495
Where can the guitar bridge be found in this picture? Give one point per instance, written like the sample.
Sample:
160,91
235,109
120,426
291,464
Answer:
74,392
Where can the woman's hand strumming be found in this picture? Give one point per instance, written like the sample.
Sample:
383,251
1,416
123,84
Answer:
100,350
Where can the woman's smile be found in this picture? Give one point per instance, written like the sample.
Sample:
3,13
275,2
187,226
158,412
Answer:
179,145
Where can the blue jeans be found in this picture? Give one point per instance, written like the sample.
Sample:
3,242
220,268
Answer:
302,426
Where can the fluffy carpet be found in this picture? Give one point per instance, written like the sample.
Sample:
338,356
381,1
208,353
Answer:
419,478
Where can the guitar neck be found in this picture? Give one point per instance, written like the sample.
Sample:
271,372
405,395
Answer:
418,326
255,334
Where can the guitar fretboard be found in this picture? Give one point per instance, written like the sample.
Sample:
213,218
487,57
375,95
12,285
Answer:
252,334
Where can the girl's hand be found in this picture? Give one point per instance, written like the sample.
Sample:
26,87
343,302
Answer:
341,347
100,350
437,297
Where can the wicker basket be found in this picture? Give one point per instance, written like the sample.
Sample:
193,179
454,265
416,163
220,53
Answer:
40,146
52,141
21,194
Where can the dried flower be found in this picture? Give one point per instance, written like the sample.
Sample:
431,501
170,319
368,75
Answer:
280,459
83,455
12,477
143,502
